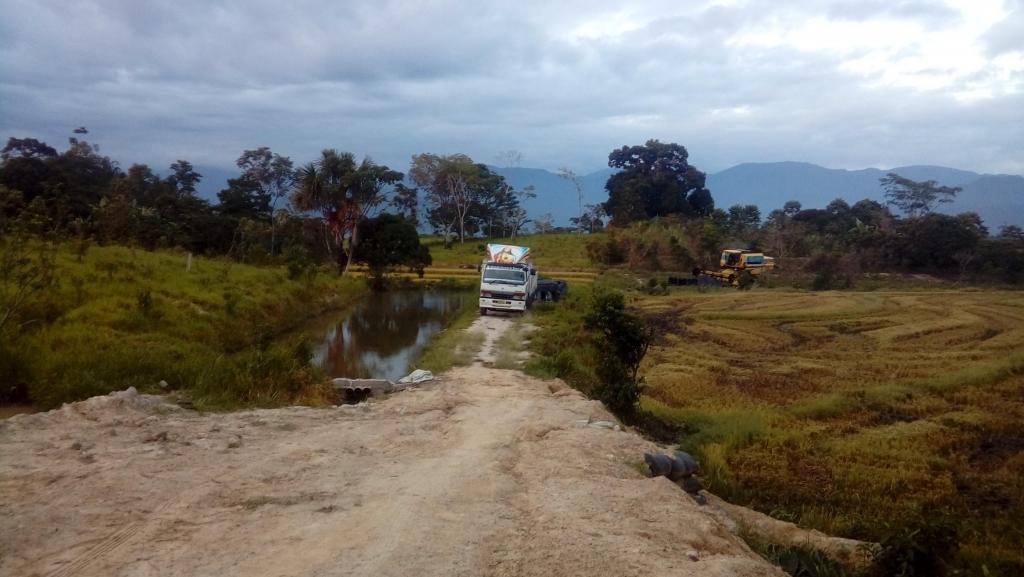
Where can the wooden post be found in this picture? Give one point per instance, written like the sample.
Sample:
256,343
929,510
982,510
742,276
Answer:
188,263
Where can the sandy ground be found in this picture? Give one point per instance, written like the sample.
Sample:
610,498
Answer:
481,472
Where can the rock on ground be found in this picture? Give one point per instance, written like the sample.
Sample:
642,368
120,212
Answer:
482,472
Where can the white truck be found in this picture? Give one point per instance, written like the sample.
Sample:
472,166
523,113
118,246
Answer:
507,281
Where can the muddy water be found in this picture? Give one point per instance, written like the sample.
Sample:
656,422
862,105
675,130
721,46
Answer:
11,410
382,335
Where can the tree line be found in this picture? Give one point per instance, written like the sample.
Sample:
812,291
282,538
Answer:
272,211
664,218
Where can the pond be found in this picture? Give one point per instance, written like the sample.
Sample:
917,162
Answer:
7,411
385,332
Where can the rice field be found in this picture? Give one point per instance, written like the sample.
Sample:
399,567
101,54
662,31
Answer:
857,413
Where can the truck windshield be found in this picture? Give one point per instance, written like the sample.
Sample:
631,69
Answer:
502,274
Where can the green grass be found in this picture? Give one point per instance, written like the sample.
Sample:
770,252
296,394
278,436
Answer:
512,345
121,317
558,350
454,345
564,251
798,561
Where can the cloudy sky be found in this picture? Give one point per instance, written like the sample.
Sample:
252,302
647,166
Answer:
842,83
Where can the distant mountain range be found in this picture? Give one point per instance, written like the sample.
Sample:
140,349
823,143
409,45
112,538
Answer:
998,198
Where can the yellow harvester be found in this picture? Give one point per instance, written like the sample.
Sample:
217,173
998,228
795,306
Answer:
737,266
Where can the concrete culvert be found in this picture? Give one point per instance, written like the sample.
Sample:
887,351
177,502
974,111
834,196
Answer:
678,469
660,465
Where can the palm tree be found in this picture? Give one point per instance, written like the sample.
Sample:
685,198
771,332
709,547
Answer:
343,192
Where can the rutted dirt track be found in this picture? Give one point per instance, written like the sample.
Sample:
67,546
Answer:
482,472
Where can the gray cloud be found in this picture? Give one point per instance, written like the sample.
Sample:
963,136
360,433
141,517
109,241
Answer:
563,84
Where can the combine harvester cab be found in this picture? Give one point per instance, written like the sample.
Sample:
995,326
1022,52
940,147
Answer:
737,263
507,281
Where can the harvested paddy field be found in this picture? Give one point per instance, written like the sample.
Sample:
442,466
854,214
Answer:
868,415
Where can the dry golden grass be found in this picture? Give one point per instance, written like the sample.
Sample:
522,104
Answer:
849,410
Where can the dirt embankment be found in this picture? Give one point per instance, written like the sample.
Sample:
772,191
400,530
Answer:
482,472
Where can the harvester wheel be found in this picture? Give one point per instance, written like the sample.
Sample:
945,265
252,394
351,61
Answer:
745,281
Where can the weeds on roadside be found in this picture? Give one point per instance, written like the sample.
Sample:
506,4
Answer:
798,561
453,346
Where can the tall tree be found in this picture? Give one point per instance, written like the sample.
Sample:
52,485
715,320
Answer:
405,201
85,175
29,166
743,219
916,198
272,175
143,185
450,182
568,174
70,183
184,178
493,201
26,148
343,192
592,218
243,199
544,223
655,180
517,219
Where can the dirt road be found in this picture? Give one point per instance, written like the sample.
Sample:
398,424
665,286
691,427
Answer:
481,472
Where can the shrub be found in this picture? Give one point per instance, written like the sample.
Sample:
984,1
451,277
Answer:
828,273
923,544
15,372
797,561
144,300
624,338
299,262
605,250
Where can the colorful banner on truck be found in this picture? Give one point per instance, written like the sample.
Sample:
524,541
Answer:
507,253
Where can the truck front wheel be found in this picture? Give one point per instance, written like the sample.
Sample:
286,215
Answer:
483,312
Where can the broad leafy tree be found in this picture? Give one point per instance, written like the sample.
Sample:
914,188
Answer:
243,199
69,183
389,240
406,202
270,176
464,197
183,178
743,219
447,180
655,180
934,240
916,198
26,148
494,202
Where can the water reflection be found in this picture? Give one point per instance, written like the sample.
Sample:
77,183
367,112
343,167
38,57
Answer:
384,333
